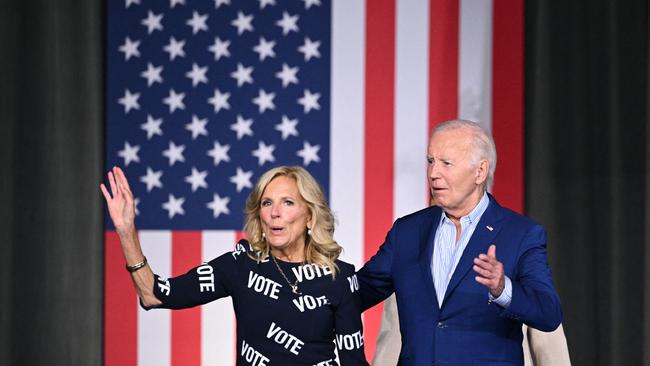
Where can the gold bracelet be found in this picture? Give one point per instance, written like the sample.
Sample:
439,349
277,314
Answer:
136,266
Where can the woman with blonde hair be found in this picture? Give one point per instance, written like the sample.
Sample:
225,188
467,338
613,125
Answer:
295,302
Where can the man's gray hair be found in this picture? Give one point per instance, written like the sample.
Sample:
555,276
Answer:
482,143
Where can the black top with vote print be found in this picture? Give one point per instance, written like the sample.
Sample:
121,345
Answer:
274,325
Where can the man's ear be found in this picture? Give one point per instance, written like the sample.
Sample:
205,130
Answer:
482,171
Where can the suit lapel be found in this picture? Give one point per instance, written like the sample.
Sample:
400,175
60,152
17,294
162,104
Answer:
484,234
426,235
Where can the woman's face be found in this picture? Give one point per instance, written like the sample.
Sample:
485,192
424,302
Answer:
284,214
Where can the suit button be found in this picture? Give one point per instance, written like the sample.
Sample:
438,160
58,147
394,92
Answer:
441,325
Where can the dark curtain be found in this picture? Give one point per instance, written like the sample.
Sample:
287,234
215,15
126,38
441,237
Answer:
588,169
51,159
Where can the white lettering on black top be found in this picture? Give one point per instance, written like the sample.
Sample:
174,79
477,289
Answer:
354,283
263,285
310,271
282,337
252,356
310,302
206,277
164,286
349,341
325,363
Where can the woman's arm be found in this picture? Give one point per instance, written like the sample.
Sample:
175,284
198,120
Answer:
121,208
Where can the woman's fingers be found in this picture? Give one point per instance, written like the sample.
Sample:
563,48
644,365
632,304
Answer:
121,178
107,195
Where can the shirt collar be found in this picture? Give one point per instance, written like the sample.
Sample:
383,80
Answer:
473,215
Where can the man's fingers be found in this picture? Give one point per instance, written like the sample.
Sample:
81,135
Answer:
483,272
492,251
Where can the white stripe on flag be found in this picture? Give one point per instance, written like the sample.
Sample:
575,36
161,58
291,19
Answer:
411,105
475,60
347,127
154,327
218,340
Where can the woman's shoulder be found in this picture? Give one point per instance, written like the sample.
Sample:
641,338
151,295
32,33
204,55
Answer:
345,268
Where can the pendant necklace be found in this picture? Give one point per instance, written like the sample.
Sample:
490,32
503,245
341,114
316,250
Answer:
294,286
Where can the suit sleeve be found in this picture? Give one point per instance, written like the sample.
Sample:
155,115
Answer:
375,277
534,299
348,327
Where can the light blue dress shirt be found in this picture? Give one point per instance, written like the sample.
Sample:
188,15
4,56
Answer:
447,251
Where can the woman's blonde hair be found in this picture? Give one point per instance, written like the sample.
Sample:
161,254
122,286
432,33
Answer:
320,247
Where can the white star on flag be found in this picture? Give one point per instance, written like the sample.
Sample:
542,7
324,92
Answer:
265,48
242,127
197,127
309,3
152,126
198,22
174,206
152,179
287,75
152,74
219,100
218,3
129,2
219,205
174,101
130,48
197,74
242,179
219,48
309,49
288,23
136,202
129,153
264,3
129,101
197,179
153,22
243,23
264,153
175,48
287,127
173,3
264,101
309,153
174,153
242,74
309,101
219,153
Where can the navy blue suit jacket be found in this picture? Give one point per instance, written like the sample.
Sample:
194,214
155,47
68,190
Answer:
467,329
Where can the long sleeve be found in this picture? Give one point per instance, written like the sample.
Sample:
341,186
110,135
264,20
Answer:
200,285
347,323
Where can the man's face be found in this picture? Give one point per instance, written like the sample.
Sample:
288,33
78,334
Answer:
455,180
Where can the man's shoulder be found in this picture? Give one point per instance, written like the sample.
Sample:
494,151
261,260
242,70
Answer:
510,216
424,214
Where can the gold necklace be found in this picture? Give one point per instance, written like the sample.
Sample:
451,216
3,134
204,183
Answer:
294,286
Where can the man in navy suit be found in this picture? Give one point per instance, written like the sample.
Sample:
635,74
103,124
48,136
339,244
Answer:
466,272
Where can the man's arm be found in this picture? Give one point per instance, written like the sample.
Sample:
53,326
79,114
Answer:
375,277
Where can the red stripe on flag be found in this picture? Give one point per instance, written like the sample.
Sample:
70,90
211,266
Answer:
120,310
379,155
508,102
186,323
443,61
239,235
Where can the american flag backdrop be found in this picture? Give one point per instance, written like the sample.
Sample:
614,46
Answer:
203,96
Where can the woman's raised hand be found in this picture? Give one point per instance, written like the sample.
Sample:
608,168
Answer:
121,205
